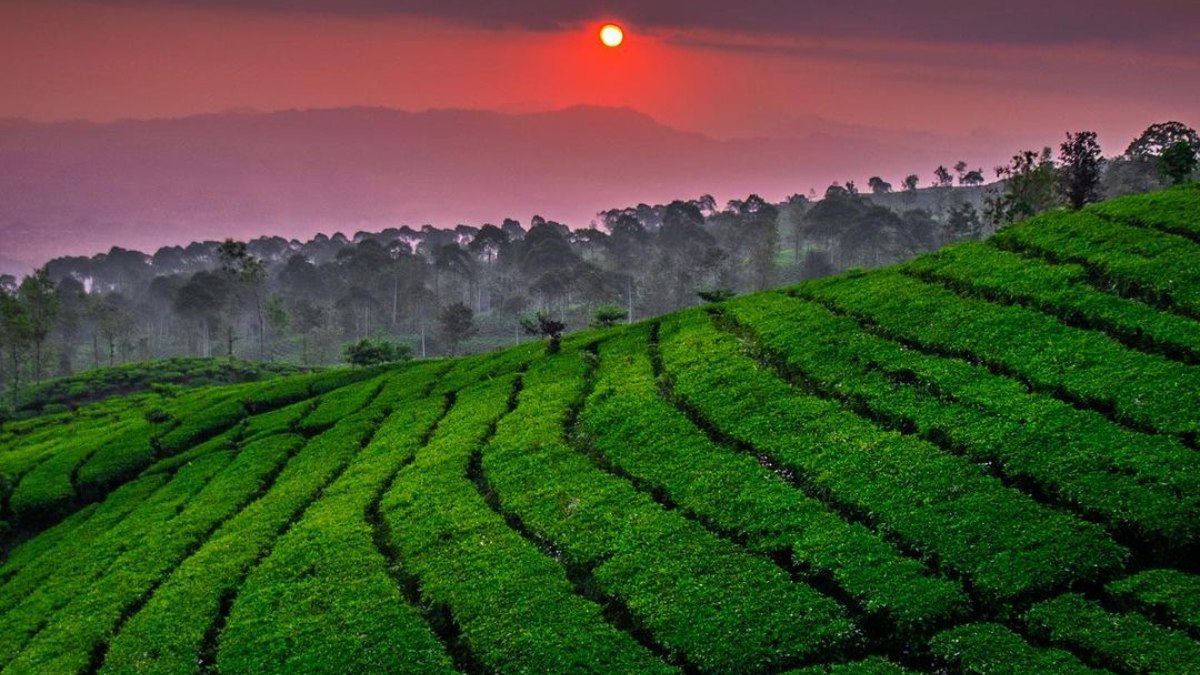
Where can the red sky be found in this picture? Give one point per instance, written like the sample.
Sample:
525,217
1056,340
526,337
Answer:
895,87
725,69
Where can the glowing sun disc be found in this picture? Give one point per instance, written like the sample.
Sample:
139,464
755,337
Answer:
612,35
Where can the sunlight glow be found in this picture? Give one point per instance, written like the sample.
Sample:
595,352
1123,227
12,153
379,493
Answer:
612,35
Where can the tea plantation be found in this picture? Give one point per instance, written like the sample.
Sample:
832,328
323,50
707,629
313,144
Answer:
983,461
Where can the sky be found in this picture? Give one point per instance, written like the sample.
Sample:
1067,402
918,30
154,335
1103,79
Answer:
726,69
854,89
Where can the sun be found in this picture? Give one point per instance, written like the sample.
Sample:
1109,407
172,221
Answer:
612,35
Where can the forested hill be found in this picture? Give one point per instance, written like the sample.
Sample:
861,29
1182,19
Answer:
986,460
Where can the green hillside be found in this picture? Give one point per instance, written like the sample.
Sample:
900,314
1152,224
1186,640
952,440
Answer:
89,386
984,461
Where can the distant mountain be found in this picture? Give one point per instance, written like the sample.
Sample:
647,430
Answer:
78,187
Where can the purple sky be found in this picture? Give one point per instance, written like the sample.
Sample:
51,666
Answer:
977,81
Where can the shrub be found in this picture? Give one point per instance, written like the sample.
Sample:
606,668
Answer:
367,352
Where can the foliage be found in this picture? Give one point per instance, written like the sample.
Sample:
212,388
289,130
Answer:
1120,642
1164,594
544,325
963,223
646,438
948,511
879,186
716,295
1136,484
455,324
981,461
96,385
607,316
1080,165
1145,390
637,551
1029,187
368,352
1156,268
1158,138
1178,162
983,648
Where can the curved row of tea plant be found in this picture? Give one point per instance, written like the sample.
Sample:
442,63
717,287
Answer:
1145,487
1156,267
982,462
165,375
1172,210
53,468
630,426
1061,290
1008,545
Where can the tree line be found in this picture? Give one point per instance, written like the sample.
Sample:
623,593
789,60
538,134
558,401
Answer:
430,291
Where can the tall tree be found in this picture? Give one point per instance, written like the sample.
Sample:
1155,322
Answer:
37,294
960,168
1155,140
278,319
1081,163
1178,162
910,183
203,300
248,274
15,335
456,323
942,177
308,318
112,322
1029,187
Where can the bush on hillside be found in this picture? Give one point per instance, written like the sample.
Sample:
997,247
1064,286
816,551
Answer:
375,352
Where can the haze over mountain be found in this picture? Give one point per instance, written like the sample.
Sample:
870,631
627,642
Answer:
76,188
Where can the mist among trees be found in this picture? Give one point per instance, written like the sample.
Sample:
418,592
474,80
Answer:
430,292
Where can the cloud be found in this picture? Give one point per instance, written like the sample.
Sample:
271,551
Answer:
1160,24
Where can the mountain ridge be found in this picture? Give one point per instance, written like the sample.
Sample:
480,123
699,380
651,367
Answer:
143,184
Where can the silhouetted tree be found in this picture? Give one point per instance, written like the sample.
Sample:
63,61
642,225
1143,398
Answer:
307,319
879,186
910,184
972,178
1156,139
1079,172
942,178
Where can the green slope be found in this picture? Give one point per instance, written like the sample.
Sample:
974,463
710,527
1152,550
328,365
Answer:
983,461
98,384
